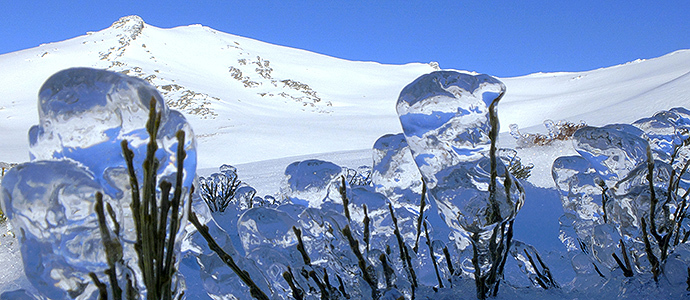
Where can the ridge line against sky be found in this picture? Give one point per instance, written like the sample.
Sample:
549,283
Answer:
501,38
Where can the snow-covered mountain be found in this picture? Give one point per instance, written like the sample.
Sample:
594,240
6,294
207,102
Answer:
252,101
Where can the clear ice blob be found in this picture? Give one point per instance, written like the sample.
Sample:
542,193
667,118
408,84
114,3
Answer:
265,226
613,150
307,182
445,117
51,203
84,115
395,173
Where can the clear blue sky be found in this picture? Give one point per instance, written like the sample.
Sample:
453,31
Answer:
501,38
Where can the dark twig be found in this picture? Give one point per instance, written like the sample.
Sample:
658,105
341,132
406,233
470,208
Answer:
227,259
113,251
367,230
404,255
343,194
420,218
300,246
361,262
102,288
388,271
627,268
653,260
432,256
448,261
297,293
325,295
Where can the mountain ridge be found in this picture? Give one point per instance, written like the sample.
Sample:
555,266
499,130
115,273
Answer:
248,100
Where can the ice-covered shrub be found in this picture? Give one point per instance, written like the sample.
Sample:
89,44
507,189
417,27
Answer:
625,197
514,163
310,182
359,176
561,130
219,189
76,205
450,123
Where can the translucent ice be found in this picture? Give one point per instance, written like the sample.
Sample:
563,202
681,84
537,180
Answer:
613,150
217,280
307,182
446,121
394,173
265,226
625,194
84,114
581,197
451,125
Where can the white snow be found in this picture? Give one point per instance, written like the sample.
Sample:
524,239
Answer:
261,135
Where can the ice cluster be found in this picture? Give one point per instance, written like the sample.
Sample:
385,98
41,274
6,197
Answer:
336,234
447,120
625,199
84,115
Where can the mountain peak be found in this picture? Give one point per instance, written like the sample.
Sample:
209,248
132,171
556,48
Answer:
133,25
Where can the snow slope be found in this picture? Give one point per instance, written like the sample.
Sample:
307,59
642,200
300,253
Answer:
252,101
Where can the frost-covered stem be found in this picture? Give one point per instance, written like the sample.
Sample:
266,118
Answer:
680,216
102,288
113,252
598,271
663,241
297,293
493,136
546,270
404,256
367,231
343,195
420,218
448,261
680,212
341,287
387,270
652,194
544,278
148,212
508,240
226,258
650,254
627,268
354,245
156,230
673,184
300,246
539,277
479,280
325,295
432,256
604,199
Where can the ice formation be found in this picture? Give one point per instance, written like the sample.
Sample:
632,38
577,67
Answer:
445,118
311,181
84,115
450,123
394,173
625,198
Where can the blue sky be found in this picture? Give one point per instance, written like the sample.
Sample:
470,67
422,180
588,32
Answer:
501,38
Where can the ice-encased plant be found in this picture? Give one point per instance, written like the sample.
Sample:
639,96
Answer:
625,197
450,123
77,153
